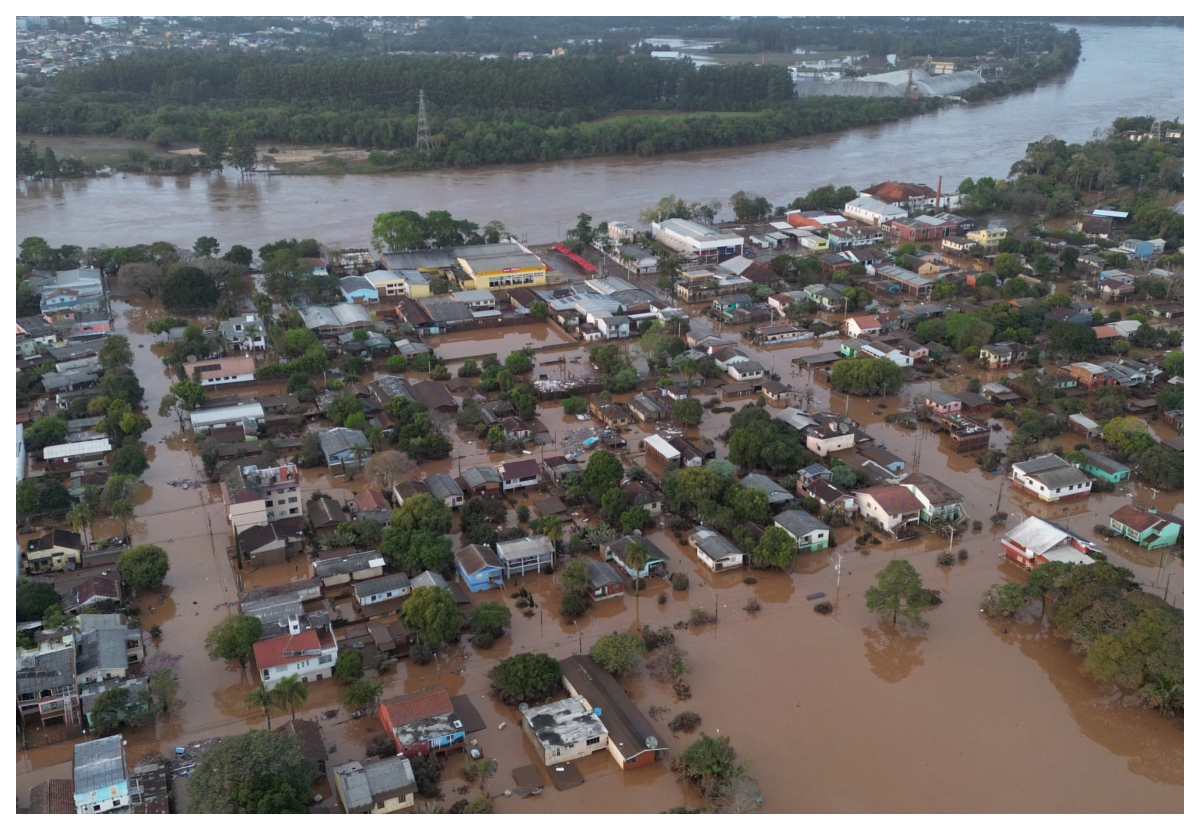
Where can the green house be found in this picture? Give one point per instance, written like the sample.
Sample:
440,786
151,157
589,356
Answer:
1145,527
851,347
1103,467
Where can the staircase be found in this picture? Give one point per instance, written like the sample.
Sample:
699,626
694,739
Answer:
70,714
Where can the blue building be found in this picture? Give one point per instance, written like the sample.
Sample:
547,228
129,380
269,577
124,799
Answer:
480,568
359,290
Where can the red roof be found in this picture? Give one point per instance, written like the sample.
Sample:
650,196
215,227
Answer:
370,499
281,650
54,796
1136,518
898,191
867,321
894,499
427,703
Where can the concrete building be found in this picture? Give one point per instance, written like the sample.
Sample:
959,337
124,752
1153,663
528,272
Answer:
254,496
564,730
632,740
309,655
715,551
385,786
101,776
1036,541
1051,479
692,239
223,372
528,555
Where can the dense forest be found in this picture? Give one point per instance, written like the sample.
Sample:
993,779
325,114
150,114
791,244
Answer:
505,110
1053,175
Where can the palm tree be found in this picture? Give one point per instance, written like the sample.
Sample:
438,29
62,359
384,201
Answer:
552,529
688,367
359,452
266,699
636,557
120,509
80,519
291,690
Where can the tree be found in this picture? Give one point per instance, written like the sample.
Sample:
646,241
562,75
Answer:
213,144
1128,435
1161,467
189,392
866,376
257,772
241,255
397,231
33,598
635,518
1008,266
144,567
388,468
618,653
490,617
349,665
519,362
129,460
776,549
687,411
433,615
1172,364
292,691
187,287
710,765
898,592
363,694
529,677
206,246
115,352
243,155
45,431
602,473
121,510
423,512
120,705
265,699
233,638
540,310
163,679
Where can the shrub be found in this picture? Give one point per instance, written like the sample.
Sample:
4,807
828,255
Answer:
484,641
825,607
618,653
349,666
654,638
421,654
962,554
573,605
750,581
999,518
701,616
752,605
945,558
680,581
668,664
977,525
662,598
523,513
687,721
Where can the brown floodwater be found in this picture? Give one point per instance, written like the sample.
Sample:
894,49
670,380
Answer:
1125,70
838,713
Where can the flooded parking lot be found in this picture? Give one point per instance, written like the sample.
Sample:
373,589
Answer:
837,713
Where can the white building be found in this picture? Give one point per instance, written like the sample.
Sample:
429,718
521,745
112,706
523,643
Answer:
224,416
1051,478
246,332
872,211
309,654
693,239
715,551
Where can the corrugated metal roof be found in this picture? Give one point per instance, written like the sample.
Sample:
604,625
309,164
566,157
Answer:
99,764
96,445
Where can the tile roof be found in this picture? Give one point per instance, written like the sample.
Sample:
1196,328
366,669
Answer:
309,733
281,650
1136,518
56,796
893,498
427,703
370,499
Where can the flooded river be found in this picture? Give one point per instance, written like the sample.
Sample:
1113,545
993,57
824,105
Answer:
838,714
1124,71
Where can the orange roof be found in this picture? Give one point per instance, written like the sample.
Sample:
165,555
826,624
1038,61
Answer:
370,499
898,191
229,367
281,650
893,498
868,321
427,703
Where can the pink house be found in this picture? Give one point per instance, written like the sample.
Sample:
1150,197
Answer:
942,404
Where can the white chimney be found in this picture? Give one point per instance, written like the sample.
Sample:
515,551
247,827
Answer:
293,624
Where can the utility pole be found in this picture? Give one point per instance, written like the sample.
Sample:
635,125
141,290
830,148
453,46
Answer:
423,143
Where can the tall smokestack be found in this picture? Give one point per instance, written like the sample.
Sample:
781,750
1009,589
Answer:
937,206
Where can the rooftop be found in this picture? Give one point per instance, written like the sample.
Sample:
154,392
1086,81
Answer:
799,523
564,723
99,764
362,785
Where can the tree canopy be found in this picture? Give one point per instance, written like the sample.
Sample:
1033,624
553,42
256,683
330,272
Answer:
618,653
529,677
233,638
256,772
432,614
898,593
144,567
866,376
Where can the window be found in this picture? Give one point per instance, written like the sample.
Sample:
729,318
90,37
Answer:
292,500
326,658
270,504
593,741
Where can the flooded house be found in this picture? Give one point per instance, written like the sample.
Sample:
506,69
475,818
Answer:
618,549
1101,466
93,592
46,689
1146,528
564,730
939,503
809,532
603,580
1050,479
342,570
77,456
254,495
423,723
382,595
54,551
272,543
480,568
385,786
891,507
643,495
775,492
344,448
101,776
715,551
528,555
308,654
481,481
1036,541
632,739
517,474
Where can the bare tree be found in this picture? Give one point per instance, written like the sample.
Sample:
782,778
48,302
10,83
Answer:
141,276
388,468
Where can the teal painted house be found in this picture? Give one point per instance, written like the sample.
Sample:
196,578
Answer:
1146,528
1103,467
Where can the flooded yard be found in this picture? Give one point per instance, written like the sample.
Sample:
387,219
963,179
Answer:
838,713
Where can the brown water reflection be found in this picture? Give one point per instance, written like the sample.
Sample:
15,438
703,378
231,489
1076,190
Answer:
892,654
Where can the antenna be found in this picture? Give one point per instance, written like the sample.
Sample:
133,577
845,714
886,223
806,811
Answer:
422,125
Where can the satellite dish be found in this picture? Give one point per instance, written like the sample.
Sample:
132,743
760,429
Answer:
651,742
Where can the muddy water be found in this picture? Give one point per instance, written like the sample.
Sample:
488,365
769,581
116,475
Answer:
1124,71
960,707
